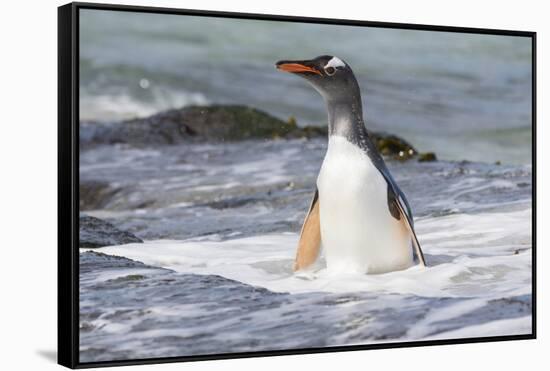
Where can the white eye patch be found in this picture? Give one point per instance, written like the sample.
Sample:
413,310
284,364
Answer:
335,62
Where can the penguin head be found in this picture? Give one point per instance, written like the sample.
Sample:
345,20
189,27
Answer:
329,75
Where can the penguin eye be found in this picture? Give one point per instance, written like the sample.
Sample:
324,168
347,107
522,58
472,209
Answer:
330,71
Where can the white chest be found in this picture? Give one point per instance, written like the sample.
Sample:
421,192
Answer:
358,232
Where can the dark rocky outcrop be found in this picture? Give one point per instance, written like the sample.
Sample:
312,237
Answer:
216,122
219,123
392,146
427,157
95,233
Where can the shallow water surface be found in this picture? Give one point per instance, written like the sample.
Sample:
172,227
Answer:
221,223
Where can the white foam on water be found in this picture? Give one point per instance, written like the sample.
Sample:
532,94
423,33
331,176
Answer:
264,170
120,105
478,283
480,256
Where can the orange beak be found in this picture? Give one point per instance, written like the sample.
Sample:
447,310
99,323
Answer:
296,67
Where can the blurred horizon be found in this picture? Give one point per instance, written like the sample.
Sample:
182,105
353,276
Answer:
463,96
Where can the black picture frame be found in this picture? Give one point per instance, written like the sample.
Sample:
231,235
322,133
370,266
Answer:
68,181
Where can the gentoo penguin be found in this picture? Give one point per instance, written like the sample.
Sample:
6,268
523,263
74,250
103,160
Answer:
358,214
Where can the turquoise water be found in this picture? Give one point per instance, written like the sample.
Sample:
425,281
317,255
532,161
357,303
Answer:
463,96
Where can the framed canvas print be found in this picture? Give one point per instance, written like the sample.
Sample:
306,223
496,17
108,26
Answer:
237,185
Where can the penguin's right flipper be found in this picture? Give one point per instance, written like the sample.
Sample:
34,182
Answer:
310,237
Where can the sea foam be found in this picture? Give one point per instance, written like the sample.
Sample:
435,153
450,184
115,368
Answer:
483,255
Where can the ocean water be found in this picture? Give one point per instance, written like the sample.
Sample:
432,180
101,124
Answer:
464,96
221,223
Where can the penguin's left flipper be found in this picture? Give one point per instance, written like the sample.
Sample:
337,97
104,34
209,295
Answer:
310,237
398,211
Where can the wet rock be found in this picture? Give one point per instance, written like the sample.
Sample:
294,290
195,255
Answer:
94,194
393,146
220,123
225,122
95,233
95,261
427,157
308,132
216,122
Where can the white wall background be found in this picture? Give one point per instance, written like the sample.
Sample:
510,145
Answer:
28,181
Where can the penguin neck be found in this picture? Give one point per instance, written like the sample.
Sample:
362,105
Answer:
345,118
